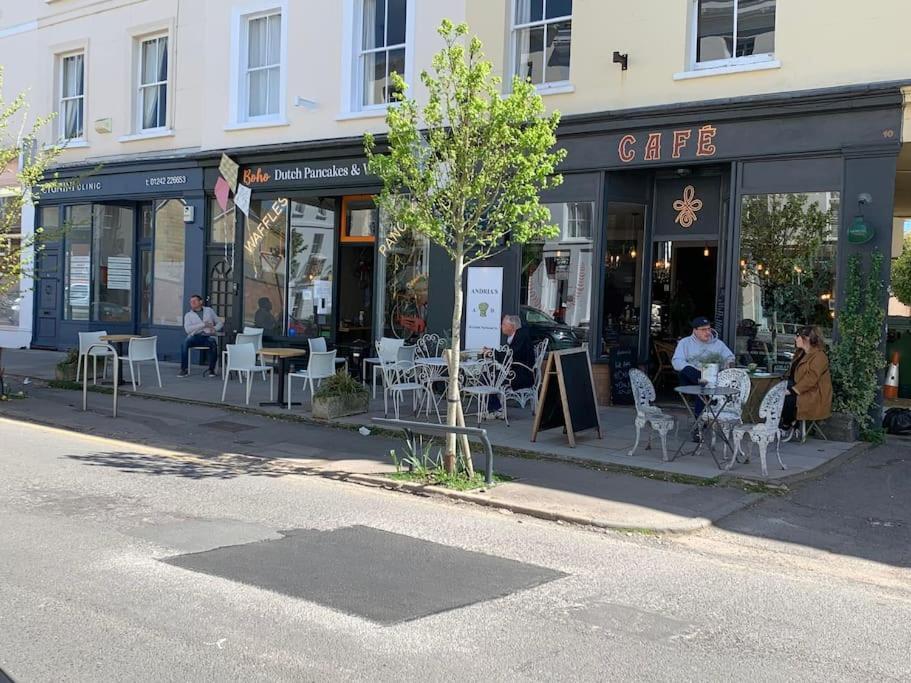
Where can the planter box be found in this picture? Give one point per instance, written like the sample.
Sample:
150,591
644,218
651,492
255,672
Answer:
339,406
841,427
66,373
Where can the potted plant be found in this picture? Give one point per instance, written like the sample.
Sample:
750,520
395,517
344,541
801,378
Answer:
856,359
710,364
338,396
66,369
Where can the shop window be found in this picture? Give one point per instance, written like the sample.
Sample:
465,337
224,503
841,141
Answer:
264,265
152,97
311,267
72,96
406,291
360,219
112,263
623,258
259,49
77,223
168,263
382,49
223,223
10,286
542,39
556,279
787,273
730,32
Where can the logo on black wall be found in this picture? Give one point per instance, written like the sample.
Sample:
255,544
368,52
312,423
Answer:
687,208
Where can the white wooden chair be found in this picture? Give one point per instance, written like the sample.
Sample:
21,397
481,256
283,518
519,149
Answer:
241,358
142,349
765,433
320,366
87,339
647,414
492,379
530,394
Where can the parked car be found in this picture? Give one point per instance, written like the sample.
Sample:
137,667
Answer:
543,326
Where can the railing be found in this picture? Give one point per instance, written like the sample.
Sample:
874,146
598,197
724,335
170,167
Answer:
431,429
85,374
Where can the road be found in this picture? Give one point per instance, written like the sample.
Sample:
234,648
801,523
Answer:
122,563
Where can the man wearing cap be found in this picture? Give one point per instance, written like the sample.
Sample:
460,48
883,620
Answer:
691,353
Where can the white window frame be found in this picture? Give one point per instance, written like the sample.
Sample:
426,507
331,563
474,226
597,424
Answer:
138,103
239,96
564,85
61,60
760,59
352,105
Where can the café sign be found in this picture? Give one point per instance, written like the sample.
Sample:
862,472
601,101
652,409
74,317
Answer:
321,173
668,145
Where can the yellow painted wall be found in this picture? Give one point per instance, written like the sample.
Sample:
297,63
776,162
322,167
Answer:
820,43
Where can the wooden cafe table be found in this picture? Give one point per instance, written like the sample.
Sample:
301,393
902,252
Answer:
284,355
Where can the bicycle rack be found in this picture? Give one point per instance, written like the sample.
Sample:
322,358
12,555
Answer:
85,375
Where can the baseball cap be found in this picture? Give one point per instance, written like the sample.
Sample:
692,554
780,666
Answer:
701,321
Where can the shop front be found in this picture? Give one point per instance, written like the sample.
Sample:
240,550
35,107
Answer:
121,253
738,211
309,257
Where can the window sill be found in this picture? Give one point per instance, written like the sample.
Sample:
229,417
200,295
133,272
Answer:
730,69
246,125
71,144
151,135
363,114
555,89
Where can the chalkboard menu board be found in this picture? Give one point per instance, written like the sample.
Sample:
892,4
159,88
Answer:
621,360
567,374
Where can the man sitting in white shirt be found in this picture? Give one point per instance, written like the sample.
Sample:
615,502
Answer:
200,324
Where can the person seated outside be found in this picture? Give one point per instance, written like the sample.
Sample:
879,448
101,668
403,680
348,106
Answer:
518,339
200,323
690,355
809,394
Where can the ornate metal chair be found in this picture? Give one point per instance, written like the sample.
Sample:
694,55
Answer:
530,394
765,433
492,380
647,414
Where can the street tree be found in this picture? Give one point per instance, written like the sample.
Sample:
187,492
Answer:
466,171
21,156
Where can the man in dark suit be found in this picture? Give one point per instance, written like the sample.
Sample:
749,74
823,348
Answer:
523,351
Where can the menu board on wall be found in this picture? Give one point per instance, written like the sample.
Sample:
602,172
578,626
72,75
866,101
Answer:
483,307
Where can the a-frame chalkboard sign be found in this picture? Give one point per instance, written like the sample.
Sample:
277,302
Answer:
567,397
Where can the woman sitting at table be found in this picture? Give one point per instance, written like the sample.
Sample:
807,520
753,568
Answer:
809,394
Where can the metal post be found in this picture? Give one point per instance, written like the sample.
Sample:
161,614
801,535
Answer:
85,374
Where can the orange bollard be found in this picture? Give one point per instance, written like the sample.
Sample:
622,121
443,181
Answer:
890,388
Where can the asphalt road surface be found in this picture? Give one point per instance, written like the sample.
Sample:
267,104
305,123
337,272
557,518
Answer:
125,564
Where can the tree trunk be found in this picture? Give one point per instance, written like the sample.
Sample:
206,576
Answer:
453,394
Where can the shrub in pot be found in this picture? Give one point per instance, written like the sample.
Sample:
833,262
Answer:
66,369
338,396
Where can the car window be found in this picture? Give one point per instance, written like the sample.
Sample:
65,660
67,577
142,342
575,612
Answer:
533,316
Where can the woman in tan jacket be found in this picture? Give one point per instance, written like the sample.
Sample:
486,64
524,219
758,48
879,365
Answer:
809,394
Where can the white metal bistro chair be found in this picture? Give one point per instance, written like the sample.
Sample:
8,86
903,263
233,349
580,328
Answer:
647,414
142,349
401,376
87,340
530,394
765,433
241,358
732,414
492,379
320,365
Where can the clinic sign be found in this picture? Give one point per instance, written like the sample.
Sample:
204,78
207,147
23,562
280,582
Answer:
483,307
105,185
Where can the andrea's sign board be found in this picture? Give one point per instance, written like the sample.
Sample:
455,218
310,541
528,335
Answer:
567,373
483,307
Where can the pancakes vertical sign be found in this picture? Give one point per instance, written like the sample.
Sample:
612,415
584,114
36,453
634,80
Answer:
483,307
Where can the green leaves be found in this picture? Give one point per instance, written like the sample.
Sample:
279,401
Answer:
901,274
467,168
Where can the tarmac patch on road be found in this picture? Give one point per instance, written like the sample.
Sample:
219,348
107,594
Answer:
385,577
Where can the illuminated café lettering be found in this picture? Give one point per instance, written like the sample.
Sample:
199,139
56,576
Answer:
629,148
256,177
255,238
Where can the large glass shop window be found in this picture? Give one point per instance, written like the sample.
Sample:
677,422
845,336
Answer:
621,298
407,288
264,265
788,250
556,280
310,274
168,263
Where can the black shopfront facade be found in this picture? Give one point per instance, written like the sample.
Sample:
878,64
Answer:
673,212
120,242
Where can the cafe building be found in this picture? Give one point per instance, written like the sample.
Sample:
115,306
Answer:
664,213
